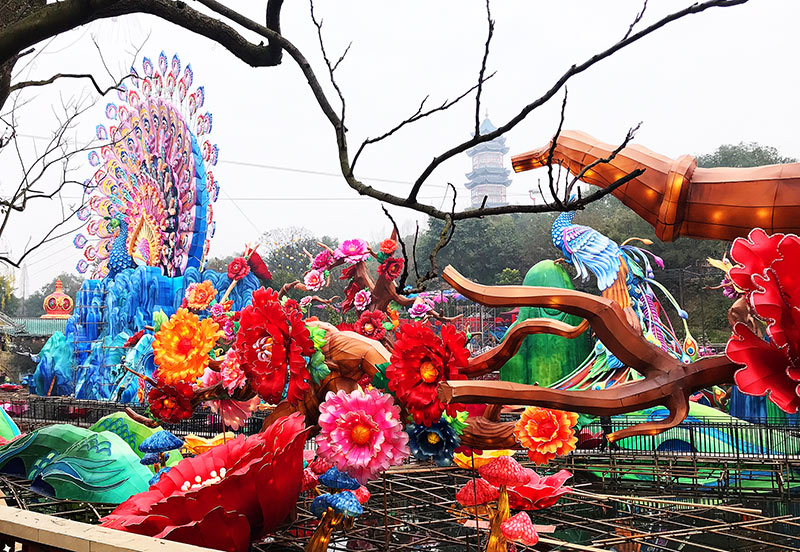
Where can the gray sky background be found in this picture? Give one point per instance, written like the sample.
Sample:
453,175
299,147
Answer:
724,76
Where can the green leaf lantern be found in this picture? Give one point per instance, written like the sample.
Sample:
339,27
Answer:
8,429
159,318
132,432
29,454
99,468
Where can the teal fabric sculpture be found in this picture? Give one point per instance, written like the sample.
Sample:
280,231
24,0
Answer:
73,463
99,468
8,429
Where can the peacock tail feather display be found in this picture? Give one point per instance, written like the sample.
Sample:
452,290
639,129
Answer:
153,187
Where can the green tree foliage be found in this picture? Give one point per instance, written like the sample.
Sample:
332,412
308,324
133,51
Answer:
9,303
482,248
33,305
743,154
219,264
508,277
486,249
283,251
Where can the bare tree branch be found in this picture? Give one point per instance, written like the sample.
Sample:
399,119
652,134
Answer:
102,91
551,151
419,114
628,137
102,58
6,139
483,69
411,200
444,238
401,282
57,152
446,234
58,17
636,20
274,50
331,67
49,237
455,196
341,58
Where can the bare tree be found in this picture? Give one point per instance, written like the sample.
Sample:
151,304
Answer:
34,21
36,175
49,20
43,177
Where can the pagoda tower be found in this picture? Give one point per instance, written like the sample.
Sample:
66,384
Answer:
489,177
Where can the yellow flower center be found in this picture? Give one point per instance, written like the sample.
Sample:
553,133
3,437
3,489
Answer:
368,328
433,438
428,372
168,403
360,434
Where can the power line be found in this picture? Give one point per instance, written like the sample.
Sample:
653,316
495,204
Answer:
284,168
317,173
59,253
241,211
61,260
306,198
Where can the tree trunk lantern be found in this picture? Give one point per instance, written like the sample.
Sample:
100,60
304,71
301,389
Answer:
676,197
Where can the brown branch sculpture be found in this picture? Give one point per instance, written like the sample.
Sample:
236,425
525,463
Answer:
675,196
383,290
667,381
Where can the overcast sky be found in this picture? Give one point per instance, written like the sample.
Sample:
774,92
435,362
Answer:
724,76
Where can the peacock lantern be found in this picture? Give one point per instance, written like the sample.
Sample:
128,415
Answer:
153,189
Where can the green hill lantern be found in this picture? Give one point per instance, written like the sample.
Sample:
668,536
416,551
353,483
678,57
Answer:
545,359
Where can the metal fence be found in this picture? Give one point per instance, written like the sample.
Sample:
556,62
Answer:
705,438
708,437
32,412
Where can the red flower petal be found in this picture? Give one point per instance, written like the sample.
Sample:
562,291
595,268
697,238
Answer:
171,403
256,263
754,254
417,344
766,369
256,494
773,303
238,269
539,493
219,529
272,341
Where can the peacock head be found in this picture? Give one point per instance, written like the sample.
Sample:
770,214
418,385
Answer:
116,222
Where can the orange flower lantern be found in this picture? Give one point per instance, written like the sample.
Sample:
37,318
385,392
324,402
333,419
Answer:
546,433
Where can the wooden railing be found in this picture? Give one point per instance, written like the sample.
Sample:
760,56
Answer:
25,531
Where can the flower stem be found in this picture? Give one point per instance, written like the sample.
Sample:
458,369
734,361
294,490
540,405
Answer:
228,291
497,542
322,536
